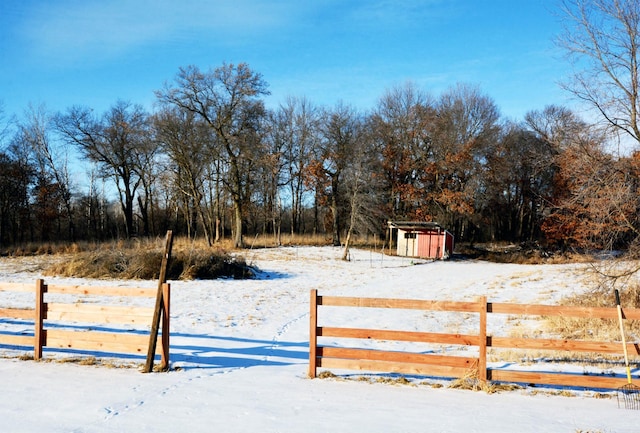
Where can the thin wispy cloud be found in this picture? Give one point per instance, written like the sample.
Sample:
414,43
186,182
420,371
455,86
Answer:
74,30
402,12
65,52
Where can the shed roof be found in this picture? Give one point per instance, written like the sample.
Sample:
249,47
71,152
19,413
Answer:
414,225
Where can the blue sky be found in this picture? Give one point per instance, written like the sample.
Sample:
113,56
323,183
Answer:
94,52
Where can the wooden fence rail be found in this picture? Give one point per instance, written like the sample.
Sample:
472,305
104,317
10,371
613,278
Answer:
368,359
80,321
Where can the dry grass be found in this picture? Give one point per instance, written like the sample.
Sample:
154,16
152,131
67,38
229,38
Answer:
180,242
79,360
574,328
395,381
524,254
326,375
531,330
597,329
469,381
142,259
373,243
556,393
287,240
387,380
85,361
46,248
534,356
593,329
226,244
495,252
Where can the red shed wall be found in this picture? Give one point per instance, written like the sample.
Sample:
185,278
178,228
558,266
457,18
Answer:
448,241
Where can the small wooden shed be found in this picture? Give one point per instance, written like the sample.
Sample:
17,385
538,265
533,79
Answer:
427,240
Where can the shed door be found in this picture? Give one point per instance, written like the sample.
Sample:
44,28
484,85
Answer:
429,245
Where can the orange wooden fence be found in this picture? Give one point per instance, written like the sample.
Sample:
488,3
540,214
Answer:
355,357
83,318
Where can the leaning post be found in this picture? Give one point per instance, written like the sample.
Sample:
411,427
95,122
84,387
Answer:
166,314
158,310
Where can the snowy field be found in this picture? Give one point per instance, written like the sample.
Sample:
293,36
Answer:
239,357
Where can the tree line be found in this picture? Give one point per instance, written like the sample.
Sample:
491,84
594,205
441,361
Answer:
212,161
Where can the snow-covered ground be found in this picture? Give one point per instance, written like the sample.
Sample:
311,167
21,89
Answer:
239,354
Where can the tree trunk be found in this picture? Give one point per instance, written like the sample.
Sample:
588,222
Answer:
127,208
345,254
237,235
143,205
336,223
205,226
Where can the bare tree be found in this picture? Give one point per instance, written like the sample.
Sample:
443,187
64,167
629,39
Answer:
364,186
52,161
340,129
146,163
4,123
185,140
227,99
271,177
295,125
603,38
115,142
16,179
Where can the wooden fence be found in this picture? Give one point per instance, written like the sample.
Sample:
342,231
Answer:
355,357
84,318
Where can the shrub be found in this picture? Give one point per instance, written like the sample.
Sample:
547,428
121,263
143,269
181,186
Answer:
204,265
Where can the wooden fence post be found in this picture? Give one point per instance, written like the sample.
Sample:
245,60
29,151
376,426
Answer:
159,308
313,328
482,336
166,294
40,315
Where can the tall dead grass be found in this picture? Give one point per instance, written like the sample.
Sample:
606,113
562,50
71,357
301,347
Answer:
46,248
180,242
141,259
523,254
315,240
601,294
597,329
